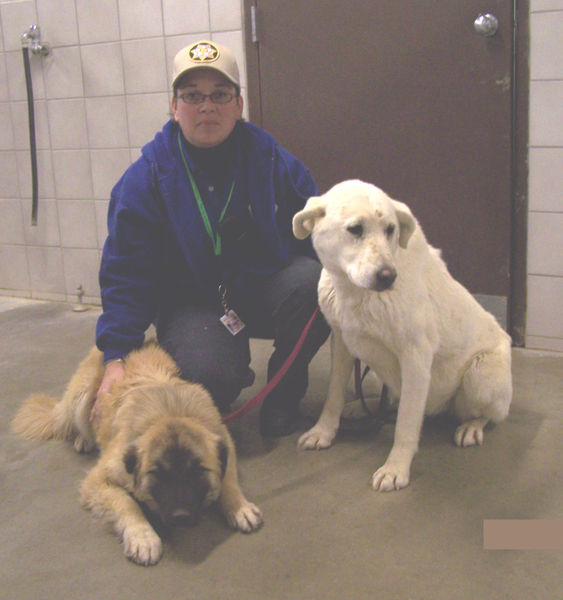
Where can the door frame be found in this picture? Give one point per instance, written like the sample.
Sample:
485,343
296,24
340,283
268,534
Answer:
516,317
517,301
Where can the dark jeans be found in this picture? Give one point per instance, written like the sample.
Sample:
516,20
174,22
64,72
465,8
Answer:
275,307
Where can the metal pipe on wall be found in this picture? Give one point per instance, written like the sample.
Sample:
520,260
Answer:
31,39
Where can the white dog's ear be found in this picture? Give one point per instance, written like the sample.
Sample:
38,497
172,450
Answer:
304,221
407,222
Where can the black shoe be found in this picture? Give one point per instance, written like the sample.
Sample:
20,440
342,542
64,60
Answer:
275,422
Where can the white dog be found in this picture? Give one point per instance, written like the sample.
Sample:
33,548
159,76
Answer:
392,303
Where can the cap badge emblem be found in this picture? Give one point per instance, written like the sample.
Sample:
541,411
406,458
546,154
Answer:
203,53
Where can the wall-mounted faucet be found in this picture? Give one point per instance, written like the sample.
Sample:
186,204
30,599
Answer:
32,40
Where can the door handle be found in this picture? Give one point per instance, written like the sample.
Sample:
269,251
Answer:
486,24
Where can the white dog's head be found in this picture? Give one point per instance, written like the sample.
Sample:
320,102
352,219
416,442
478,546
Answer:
356,230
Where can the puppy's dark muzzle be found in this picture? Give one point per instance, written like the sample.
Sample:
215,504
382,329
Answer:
384,279
182,518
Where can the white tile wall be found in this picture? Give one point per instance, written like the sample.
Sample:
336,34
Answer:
6,133
103,69
107,168
545,30
541,5
63,73
81,268
14,271
144,66
186,17
107,122
544,297
9,175
97,21
16,18
67,123
101,94
77,220
544,184
544,326
544,256
4,93
46,232
57,19
146,114
546,112
225,15
140,18
11,223
73,178
46,269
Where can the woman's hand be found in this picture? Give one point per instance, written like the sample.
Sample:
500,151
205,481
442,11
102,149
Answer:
115,371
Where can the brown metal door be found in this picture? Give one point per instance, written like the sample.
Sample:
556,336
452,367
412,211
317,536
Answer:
406,95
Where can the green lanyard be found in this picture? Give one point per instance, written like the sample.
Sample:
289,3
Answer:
214,237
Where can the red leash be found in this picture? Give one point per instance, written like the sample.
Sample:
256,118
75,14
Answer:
250,404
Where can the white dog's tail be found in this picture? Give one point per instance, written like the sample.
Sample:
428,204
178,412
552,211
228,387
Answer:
43,417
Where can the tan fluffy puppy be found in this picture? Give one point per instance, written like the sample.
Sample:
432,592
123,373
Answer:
162,446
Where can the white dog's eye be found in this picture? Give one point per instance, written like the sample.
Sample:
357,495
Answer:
390,230
355,230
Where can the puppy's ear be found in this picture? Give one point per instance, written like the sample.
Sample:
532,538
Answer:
130,459
223,453
407,222
304,221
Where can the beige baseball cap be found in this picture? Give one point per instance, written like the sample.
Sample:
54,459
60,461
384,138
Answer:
206,54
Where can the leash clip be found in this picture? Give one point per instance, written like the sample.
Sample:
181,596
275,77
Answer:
223,297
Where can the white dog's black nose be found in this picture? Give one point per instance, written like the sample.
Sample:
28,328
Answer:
384,278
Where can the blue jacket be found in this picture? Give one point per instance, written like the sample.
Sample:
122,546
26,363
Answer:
158,254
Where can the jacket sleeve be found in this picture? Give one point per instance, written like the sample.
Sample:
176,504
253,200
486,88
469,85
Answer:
129,271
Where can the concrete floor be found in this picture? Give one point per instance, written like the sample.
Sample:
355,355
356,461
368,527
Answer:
327,534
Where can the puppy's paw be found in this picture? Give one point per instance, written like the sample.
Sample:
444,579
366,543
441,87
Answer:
142,545
247,518
84,444
470,433
390,477
317,438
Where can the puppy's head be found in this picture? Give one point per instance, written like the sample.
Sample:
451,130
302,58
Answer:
356,230
177,467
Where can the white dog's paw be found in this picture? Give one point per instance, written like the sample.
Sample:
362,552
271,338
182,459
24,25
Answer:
470,433
247,518
390,477
354,410
316,438
142,545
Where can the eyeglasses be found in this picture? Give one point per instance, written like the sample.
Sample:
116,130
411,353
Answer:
217,97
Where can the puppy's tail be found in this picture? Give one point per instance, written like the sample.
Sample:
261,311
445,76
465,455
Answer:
42,417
